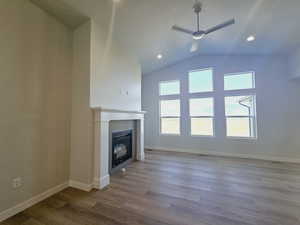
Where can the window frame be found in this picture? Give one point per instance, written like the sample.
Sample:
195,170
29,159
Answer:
201,92
210,117
168,81
236,93
242,92
169,117
184,96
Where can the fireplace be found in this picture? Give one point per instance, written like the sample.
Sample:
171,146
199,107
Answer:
103,119
121,148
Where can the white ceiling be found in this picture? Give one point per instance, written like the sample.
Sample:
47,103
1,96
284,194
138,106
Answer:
144,27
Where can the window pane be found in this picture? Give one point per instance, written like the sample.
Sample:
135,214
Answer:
239,81
170,108
202,107
201,81
170,125
240,105
202,126
238,127
169,88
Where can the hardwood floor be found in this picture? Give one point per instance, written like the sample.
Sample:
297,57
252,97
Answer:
180,189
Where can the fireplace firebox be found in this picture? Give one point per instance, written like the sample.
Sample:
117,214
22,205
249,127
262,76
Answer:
121,147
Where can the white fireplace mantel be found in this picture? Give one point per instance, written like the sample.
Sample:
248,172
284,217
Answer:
102,117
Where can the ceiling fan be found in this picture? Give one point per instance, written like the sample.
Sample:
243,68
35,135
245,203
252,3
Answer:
199,34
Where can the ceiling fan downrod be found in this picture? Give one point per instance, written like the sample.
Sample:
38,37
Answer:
197,9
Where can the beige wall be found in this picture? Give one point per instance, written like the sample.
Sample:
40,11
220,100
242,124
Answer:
46,70
102,74
35,96
116,74
82,120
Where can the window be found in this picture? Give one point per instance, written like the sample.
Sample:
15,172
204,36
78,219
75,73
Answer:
200,96
201,81
169,88
201,106
202,116
169,108
240,110
240,116
239,81
170,117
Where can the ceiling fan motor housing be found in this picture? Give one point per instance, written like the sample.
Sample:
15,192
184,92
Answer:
197,7
198,35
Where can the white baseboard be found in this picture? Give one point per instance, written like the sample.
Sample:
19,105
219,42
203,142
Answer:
235,155
98,184
34,200
80,185
102,182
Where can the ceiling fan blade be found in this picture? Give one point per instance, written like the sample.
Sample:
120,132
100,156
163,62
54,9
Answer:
194,47
180,29
220,26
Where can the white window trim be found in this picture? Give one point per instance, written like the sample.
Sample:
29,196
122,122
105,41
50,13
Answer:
201,92
168,81
213,118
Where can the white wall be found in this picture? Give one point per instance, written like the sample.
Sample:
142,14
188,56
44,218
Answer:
294,64
116,74
35,96
277,108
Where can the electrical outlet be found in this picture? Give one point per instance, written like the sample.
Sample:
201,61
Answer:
17,182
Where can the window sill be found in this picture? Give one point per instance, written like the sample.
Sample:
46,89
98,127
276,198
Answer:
202,136
252,139
170,135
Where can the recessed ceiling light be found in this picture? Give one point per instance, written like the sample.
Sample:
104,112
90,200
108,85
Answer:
250,38
159,56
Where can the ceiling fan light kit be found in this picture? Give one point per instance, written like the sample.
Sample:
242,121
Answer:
199,34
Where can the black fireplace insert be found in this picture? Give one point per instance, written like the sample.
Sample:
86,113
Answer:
121,147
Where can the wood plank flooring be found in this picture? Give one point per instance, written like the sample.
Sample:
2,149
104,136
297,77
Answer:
180,189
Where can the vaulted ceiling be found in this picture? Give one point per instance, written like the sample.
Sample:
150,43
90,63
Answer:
144,26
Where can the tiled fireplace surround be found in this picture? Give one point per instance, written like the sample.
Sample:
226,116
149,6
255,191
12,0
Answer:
102,117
